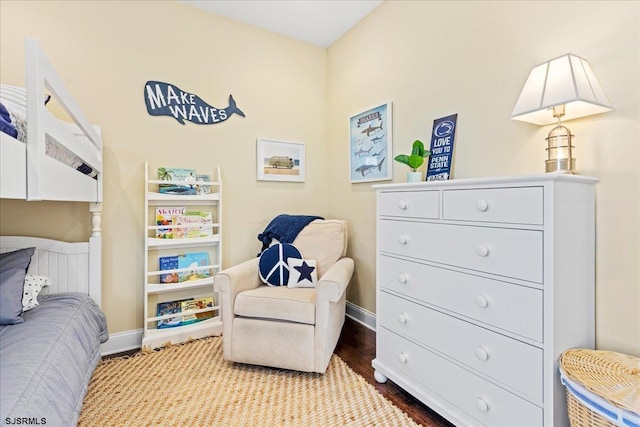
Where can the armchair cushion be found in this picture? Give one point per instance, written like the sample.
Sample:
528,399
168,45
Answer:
324,241
278,303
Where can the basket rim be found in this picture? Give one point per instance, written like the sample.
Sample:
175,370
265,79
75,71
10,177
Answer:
598,404
613,376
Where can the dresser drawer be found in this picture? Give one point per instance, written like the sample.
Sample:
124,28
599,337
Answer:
488,352
486,402
502,251
409,204
512,308
521,205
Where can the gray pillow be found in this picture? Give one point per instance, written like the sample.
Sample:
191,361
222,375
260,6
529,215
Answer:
13,268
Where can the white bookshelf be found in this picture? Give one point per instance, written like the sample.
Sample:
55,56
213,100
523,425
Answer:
156,292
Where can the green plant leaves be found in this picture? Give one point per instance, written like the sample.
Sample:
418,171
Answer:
418,148
416,159
402,158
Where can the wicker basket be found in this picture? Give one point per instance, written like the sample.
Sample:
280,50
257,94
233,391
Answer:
603,388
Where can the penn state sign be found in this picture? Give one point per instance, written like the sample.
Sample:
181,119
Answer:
165,99
442,139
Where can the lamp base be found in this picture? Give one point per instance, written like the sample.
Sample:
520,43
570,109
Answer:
560,166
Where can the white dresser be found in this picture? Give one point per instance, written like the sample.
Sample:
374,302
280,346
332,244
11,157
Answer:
481,285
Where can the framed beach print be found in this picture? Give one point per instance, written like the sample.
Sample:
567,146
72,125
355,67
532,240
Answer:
370,145
280,161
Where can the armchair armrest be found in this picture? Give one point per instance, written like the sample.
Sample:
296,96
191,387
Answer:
239,278
229,283
333,283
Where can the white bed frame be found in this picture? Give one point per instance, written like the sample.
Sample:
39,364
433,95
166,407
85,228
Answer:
71,267
28,173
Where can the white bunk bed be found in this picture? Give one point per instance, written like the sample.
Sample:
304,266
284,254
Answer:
62,335
26,171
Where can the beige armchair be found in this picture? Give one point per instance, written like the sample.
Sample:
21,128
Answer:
281,327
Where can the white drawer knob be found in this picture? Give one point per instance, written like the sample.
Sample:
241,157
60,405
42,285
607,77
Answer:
402,204
403,278
482,405
402,318
403,239
482,301
482,205
403,358
482,251
482,354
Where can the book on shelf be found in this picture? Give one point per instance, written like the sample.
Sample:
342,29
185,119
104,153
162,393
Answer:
202,189
165,217
170,307
188,176
188,226
193,224
205,221
191,261
168,263
196,304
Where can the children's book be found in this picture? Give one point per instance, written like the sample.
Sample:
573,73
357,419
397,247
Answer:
201,188
170,307
168,263
191,261
196,304
188,226
205,224
164,216
188,176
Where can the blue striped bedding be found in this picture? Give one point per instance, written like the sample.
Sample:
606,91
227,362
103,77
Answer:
46,362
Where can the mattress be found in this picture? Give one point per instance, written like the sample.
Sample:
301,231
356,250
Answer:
47,361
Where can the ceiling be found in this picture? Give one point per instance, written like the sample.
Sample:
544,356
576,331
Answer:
319,22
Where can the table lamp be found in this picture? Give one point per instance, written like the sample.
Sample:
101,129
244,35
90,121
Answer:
561,88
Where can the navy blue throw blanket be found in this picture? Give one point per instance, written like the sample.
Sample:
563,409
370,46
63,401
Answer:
284,228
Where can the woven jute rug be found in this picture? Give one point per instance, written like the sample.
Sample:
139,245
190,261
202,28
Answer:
191,385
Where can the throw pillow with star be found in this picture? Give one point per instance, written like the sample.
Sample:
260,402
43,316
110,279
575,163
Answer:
302,273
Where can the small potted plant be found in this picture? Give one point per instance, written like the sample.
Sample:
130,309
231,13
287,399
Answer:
414,161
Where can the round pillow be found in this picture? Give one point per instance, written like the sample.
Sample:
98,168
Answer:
273,265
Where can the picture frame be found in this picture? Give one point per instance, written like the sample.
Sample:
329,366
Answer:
280,161
371,145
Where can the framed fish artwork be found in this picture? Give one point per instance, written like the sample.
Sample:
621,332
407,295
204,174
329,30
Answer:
370,145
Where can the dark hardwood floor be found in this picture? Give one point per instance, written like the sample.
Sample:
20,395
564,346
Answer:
357,347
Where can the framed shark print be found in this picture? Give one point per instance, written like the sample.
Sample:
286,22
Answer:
370,145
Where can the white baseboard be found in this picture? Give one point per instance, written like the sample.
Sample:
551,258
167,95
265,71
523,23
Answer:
130,340
122,341
362,316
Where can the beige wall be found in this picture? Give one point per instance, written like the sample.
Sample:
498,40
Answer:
105,52
429,58
432,59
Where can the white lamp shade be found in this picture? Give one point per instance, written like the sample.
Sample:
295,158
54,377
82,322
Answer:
567,80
